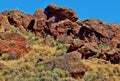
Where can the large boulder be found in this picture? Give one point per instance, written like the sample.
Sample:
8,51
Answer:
61,12
70,62
13,44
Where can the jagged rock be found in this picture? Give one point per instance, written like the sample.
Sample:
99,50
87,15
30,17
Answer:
40,28
98,31
88,50
75,45
61,12
40,14
18,18
113,56
70,62
64,28
4,22
13,44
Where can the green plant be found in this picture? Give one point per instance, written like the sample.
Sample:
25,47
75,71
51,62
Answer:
14,29
97,76
4,56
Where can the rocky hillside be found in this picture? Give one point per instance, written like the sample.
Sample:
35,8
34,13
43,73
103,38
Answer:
53,45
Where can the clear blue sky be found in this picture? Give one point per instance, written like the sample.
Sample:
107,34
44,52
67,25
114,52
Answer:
106,10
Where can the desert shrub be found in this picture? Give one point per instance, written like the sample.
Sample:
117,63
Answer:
4,56
96,76
40,68
14,29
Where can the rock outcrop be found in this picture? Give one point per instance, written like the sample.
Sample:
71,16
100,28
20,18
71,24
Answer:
13,44
61,12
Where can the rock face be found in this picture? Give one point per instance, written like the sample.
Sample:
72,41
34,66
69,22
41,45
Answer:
98,31
4,22
64,28
70,62
13,44
62,12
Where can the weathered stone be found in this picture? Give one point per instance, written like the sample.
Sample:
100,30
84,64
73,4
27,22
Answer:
64,28
88,50
4,22
62,12
75,45
13,44
70,62
98,31
40,27
40,14
113,56
18,18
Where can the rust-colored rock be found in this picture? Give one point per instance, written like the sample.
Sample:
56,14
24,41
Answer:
70,62
4,22
88,50
13,44
113,56
98,31
18,18
40,14
62,12
75,45
64,28
40,27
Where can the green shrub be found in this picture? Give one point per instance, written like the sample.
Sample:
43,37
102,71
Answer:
4,56
97,76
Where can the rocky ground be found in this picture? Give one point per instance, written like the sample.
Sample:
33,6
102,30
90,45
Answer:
53,45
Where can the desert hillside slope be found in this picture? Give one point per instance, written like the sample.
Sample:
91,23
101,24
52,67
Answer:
54,45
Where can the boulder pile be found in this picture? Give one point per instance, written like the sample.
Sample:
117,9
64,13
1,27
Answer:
86,36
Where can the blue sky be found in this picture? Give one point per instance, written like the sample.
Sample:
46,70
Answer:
106,10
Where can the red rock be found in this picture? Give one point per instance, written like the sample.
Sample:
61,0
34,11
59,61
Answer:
70,62
98,31
64,28
75,45
88,50
13,44
40,14
18,18
4,22
61,12
40,27
113,56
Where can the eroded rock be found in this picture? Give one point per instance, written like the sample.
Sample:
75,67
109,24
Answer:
61,12
64,28
13,44
70,62
98,31
18,18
